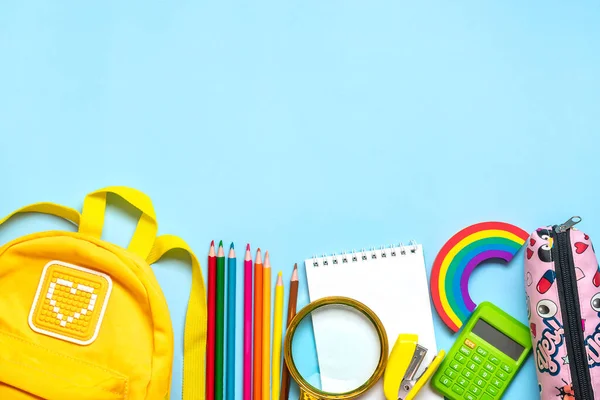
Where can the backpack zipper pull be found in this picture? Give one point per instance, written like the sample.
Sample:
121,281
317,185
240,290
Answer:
568,225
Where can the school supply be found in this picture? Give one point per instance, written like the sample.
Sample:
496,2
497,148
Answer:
562,283
247,395
220,323
258,324
400,381
231,314
392,282
485,358
266,330
291,313
211,324
309,392
81,318
459,257
277,338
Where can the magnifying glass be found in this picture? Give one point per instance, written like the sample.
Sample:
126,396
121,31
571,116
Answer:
344,358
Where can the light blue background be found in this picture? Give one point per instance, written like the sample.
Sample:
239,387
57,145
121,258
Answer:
307,127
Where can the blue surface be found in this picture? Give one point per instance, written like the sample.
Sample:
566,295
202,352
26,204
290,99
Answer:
339,124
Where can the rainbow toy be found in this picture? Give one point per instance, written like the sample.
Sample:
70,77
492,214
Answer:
457,260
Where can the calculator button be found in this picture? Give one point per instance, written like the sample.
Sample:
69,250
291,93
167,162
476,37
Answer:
458,389
462,381
480,382
469,344
469,396
506,368
450,373
468,373
492,390
460,358
465,351
494,360
472,366
484,374
501,375
475,390
481,352
486,397
455,365
496,383
489,367
476,358
444,380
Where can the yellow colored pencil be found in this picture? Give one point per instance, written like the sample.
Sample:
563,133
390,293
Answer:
266,331
277,336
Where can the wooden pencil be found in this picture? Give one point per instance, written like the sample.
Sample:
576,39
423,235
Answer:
220,324
231,316
210,328
291,313
247,394
266,330
258,310
277,337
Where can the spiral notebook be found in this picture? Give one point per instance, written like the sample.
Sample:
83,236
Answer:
392,282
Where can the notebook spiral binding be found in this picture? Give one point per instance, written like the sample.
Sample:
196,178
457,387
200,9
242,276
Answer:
365,255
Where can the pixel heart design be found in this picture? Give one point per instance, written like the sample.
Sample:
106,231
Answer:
70,302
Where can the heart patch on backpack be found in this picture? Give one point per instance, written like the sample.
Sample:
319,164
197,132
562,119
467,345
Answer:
70,302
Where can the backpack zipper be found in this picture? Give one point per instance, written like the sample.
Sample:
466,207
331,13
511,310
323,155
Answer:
568,295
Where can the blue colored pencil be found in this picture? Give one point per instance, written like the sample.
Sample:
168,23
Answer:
230,374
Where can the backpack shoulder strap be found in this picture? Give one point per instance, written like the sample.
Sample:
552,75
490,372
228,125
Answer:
194,345
94,207
67,213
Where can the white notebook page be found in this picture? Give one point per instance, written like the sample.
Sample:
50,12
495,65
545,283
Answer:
394,287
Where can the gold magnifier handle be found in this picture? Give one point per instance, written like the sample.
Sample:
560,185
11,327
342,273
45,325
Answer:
306,396
308,392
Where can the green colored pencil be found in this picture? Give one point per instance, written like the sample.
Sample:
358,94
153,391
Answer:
220,324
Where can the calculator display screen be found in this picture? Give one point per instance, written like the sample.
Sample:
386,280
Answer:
498,339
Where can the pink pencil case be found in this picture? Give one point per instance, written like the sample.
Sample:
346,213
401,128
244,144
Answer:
562,282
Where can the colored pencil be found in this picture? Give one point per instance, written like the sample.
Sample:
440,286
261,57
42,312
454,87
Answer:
291,313
258,310
277,336
231,278
210,334
266,331
247,395
220,324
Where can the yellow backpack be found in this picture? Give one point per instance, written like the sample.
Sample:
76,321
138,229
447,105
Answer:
84,319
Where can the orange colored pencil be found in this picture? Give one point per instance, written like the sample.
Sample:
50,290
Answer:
258,322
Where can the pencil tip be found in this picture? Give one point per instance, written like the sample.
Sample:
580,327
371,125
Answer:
279,279
231,247
295,266
221,243
248,247
295,274
267,260
212,243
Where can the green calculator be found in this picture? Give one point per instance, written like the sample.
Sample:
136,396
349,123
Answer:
489,351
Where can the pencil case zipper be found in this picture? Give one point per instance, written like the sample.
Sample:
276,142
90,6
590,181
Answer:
568,294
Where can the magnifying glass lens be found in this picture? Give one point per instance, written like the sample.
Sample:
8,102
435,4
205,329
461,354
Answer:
336,348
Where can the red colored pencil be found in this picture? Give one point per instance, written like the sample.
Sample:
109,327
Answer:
210,335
